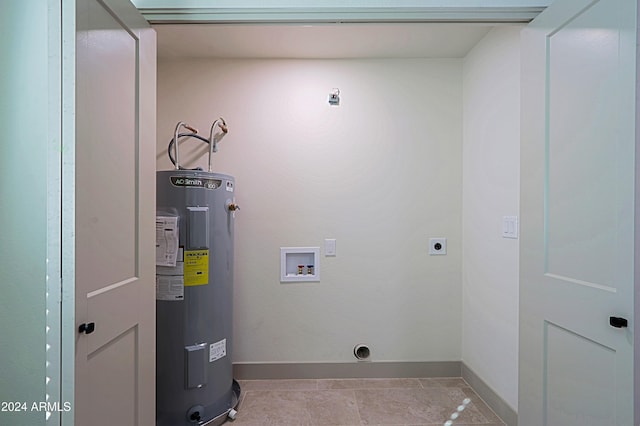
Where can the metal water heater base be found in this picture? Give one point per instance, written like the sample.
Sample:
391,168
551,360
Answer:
230,414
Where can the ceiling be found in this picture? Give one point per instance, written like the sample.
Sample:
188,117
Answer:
322,41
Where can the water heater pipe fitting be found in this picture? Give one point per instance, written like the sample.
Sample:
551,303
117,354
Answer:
175,138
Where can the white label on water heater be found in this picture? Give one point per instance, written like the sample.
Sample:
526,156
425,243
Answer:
170,287
217,350
166,240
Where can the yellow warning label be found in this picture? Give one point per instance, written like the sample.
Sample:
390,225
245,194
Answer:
196,267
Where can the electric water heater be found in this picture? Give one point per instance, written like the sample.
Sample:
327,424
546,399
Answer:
194,290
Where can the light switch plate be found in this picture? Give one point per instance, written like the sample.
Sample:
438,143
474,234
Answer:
330,247
510,227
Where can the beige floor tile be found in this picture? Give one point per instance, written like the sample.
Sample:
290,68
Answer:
481,406
367,383
473,413
301,384
358,402
332,407
444,382
476,424
300,408
272,408
413,406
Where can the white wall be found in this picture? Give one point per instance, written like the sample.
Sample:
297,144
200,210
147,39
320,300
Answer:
381,173
491,170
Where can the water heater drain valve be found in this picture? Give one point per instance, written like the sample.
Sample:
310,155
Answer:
195,414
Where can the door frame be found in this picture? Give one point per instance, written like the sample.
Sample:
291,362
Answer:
67,117
67,208
636,278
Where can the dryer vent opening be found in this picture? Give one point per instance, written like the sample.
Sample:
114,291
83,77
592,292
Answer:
361,352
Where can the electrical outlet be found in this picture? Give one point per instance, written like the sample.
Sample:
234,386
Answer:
437,246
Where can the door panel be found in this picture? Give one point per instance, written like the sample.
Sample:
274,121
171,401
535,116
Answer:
585,148
105,170
114,367
570,361
577,214
124,296
115,215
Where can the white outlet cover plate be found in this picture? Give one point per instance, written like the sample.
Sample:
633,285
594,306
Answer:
432,246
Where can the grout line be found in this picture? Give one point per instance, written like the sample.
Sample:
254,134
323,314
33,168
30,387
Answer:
355,399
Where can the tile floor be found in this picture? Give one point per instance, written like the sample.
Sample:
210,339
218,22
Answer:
350,402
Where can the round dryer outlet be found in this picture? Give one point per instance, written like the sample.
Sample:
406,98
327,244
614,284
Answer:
362,352
437,246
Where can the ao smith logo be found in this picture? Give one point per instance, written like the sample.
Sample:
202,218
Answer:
195,182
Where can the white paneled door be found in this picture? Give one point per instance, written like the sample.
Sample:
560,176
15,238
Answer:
115,212
577,215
